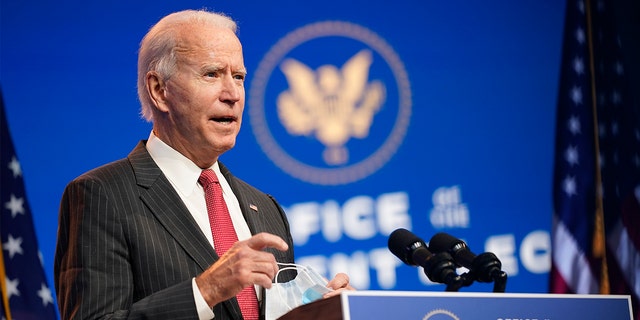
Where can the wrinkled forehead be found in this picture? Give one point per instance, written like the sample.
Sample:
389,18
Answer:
207,37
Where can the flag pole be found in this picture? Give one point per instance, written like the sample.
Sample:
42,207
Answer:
3,285
599,243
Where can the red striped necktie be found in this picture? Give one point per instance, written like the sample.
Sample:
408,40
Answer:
224,236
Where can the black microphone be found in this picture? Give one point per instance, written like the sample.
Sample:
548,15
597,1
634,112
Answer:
413,251
485,267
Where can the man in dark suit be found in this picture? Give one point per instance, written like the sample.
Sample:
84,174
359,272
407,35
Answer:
135,238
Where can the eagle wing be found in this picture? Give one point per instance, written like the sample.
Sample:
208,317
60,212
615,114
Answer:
296,106
362,117
355,73
364,98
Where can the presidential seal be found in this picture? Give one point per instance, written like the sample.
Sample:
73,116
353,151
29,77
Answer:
330,103
440,314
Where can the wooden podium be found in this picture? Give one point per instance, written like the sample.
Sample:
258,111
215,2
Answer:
325,309
357,305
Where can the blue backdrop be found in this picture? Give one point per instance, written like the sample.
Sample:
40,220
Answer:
458,136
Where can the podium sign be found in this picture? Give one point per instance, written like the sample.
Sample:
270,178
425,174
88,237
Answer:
357,305
494,306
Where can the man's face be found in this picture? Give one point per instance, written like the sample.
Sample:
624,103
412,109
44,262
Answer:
205,96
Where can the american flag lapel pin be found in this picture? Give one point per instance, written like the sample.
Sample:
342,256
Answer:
253,207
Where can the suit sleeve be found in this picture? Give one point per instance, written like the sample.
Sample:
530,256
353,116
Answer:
93,275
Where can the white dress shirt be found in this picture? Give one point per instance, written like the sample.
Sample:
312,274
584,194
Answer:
183,175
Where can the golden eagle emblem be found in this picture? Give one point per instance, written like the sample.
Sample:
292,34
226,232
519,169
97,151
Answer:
333,104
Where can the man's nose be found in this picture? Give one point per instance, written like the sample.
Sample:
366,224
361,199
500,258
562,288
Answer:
231,90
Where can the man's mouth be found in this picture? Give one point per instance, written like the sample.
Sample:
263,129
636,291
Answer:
224,120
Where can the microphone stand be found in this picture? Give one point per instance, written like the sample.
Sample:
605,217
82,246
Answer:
486,268
499,281
441,268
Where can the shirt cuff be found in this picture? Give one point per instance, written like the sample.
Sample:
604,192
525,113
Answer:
204,312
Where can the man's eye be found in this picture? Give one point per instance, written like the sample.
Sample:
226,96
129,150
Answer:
239,77
211,74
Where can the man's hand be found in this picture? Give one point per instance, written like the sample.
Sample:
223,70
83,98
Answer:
339,283
245,264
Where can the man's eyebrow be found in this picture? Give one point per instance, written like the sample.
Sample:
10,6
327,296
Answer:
211,67
217,67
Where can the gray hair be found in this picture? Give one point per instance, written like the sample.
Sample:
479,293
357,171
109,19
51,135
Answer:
157,48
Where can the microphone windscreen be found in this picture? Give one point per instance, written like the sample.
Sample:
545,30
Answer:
400,244
442,242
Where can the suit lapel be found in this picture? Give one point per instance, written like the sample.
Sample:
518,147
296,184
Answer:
167,206
246,201
169,209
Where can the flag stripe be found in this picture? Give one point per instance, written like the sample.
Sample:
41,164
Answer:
571,263
625,255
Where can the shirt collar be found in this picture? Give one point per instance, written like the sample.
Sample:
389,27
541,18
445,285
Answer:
180,170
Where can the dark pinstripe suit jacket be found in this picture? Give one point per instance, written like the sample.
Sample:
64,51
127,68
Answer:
128,247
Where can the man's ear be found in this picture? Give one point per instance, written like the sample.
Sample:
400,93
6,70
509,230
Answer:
157,90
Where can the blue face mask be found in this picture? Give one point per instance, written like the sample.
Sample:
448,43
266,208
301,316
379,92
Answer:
307,286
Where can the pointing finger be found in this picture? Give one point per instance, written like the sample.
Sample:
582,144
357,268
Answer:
267,240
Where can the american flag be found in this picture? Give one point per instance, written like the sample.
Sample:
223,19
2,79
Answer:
596,225
25,291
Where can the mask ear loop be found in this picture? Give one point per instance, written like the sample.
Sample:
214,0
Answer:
283,269
289,265
293,267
